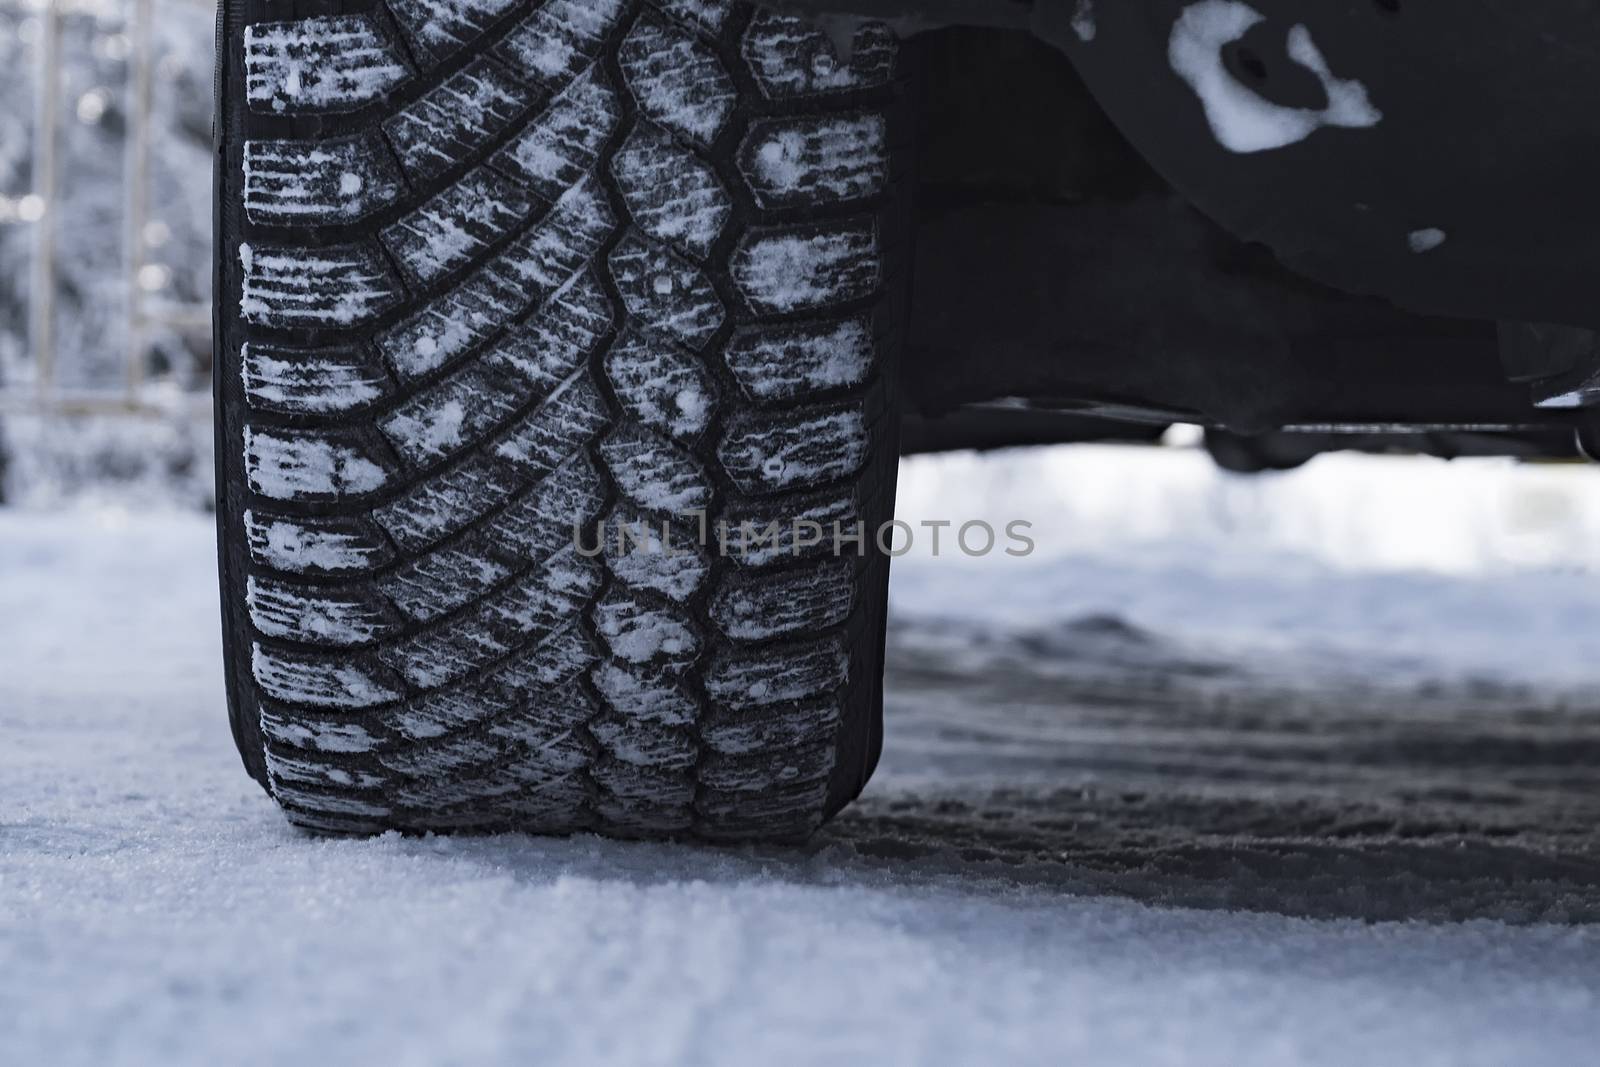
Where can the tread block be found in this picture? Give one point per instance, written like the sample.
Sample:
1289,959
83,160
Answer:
442,759
433,795
794,828
437,28
762,531
570,416
474,817
708,15
636,815
304,183
762,772
538,681
544,520
453,414
549,346
645,635
558,804
815,160
666,292
654,792
551,736
756,607
672,194
660,385
449,325
319,65
676,80
656,555
791,57
535,750
452,121
443,581
807,448
644,744
554,754
767,812
336,681
777,675
653,473
300,465
527,610
736,733
316,735
305,289
795,269
456,226
445,503
783,362
296,768
556,660
314,546
559,39
644,697
563,143
323,381
341,618
532,268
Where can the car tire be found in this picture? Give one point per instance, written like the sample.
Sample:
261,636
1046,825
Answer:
556,410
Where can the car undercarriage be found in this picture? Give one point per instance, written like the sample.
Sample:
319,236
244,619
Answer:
1098,250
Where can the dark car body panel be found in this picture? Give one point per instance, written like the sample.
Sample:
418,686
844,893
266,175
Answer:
1091,242
1490,134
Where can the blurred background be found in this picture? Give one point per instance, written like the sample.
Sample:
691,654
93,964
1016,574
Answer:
105,249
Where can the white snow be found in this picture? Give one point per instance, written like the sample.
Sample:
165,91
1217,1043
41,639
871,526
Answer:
1241,119
652,699
432,431
1083,20
787,454
789,271
819,357
319,683
1482,566
676,80
838,159
288,287
287,545
1426,240
307,380
445,25
286,466
279,610
154,907
291,181
551,40
566,137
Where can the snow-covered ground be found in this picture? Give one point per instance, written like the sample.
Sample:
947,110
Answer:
1303,769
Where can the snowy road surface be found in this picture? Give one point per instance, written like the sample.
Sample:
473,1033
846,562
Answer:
1301,770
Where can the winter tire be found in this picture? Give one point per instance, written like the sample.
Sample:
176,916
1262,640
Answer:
504,284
